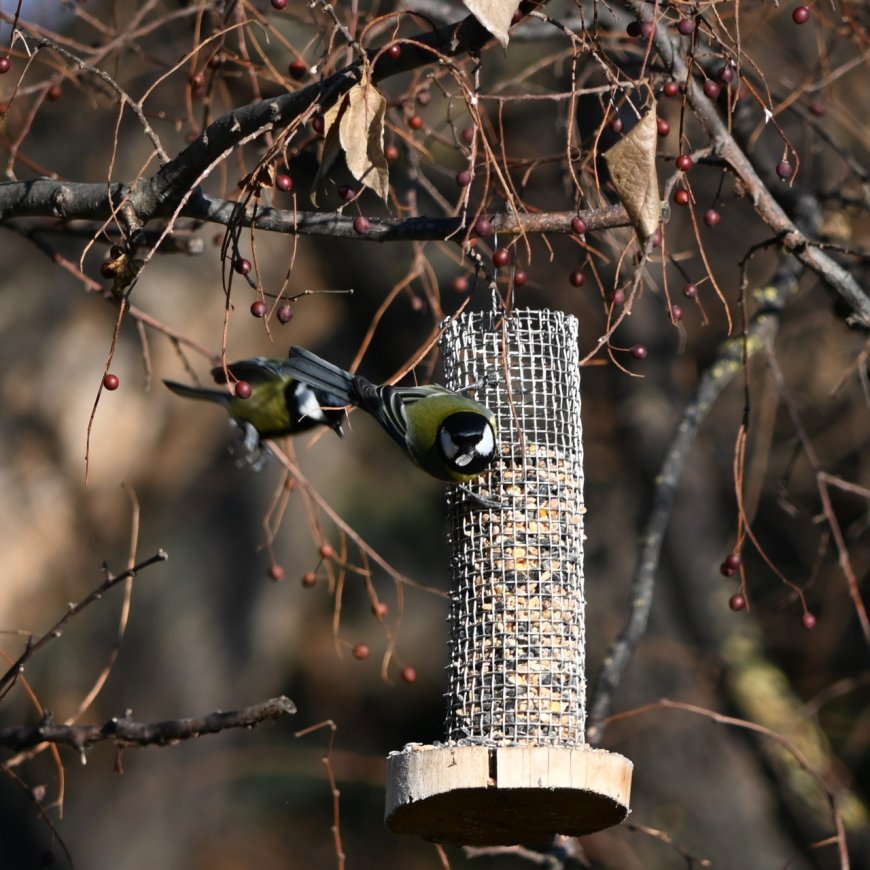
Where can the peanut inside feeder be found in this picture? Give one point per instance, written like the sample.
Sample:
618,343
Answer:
515,767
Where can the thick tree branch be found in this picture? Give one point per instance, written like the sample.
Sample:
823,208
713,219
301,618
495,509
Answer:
64,200
169,185
125,731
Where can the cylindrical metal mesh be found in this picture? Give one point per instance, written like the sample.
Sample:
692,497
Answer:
517,647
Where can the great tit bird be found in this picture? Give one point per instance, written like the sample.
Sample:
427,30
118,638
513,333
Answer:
278,404
448,435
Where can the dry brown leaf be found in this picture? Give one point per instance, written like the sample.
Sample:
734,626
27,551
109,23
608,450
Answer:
361,131
355,125
494,15
331,143
632,165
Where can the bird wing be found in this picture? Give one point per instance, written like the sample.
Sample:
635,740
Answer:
258,370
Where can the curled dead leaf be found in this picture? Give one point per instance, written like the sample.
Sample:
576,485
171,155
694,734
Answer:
495,16
632,165
361,131
355,125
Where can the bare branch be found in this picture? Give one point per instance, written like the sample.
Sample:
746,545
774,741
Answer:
125,731
55,631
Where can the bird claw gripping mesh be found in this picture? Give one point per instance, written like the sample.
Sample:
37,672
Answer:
517,647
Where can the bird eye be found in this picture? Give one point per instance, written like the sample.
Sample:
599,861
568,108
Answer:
467,442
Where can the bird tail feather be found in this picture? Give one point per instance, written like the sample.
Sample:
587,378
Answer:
189,392
322,375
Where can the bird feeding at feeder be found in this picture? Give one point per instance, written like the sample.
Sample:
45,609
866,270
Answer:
447,434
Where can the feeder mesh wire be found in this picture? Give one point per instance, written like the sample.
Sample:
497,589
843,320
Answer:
517,647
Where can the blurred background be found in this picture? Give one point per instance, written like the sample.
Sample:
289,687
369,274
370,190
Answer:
209,629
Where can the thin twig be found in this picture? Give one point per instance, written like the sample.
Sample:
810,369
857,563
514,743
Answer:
56,630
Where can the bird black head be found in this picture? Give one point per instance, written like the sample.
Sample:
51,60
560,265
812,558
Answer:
467,442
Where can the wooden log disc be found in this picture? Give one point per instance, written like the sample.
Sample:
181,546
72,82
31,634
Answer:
502,796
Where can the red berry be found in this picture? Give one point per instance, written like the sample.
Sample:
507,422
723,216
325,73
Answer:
298,69
318,124
279,4
685,163
817,109
578,226
111,382
285,314
309,580
733,561
521,279
5,64
380,610
676,313
409,675
647,29
686,26
784,170
460,284
681,197
196,81
284,182
468,135
726,74
657,238
501,257
712,217
801,15
418,303
259,308
361,651
391,152
616,125
243,389
483,226
395,51
276,573
578,279
712,89
361,225
415,122
55,92
808,620
662,127
691,291
463,178
639,351
618,297
346,192
326,551
242,266
737,602
671,89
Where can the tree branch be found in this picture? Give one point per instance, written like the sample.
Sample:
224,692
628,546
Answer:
125,731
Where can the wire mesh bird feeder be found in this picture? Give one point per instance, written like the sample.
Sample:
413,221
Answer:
515,767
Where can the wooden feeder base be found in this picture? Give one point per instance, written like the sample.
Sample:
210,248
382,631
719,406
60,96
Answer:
503,796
